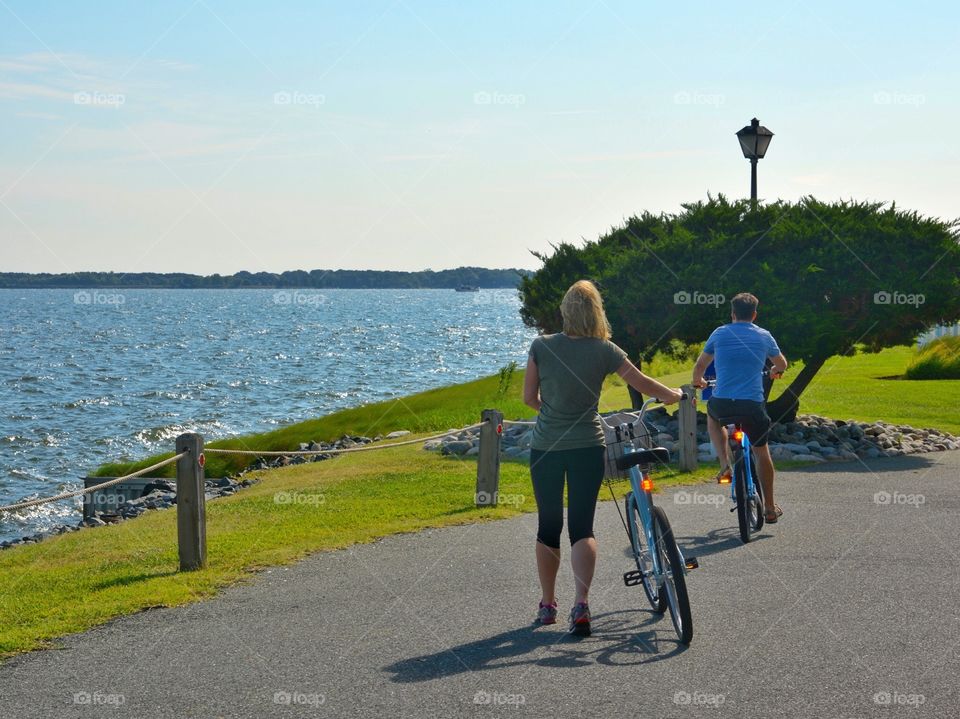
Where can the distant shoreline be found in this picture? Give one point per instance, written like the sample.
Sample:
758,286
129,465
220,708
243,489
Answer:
296,279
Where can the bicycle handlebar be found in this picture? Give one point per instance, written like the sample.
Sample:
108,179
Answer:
643,408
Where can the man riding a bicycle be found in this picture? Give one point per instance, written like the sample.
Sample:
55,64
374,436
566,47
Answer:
739,351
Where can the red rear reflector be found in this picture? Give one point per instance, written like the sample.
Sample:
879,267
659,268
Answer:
738,435
646,485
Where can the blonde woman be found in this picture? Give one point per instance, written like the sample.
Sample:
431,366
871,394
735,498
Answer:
564,376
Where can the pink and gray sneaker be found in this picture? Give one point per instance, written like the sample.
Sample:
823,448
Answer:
580,620
547,613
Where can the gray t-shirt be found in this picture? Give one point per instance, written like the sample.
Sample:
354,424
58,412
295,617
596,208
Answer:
571,371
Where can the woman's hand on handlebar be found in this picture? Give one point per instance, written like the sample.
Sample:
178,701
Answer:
674,397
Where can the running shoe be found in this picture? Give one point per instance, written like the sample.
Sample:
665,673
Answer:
547,613
580,620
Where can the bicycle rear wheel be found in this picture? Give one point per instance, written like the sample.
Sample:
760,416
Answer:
674,584
749,508
641,555
758,487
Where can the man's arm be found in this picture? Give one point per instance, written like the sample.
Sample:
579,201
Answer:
779,366
703,361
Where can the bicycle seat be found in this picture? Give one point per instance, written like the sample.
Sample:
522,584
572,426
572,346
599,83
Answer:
643,456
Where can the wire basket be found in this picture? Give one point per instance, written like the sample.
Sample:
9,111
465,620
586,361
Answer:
642,439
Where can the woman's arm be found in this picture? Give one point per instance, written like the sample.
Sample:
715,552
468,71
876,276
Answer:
531,384
640,382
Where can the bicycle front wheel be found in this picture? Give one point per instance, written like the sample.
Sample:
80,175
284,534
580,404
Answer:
641,555
674,584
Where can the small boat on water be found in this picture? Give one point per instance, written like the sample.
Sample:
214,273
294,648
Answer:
467,288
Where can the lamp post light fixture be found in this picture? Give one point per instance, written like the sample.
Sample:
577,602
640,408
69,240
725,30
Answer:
754,141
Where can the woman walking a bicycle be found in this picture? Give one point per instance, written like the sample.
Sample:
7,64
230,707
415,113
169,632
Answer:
564,377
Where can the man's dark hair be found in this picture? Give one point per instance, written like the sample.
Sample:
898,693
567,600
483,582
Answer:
744,305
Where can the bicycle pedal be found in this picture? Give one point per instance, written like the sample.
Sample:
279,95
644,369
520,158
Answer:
692,563
632,579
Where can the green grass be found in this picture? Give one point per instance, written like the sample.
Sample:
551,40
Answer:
939,359
432,411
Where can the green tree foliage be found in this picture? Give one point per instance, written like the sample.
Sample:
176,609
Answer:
831,277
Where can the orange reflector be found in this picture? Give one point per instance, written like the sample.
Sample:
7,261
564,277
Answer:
738,435
725,479
646,485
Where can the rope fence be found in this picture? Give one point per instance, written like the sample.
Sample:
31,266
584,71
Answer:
218,450
302,452
190,459
87,490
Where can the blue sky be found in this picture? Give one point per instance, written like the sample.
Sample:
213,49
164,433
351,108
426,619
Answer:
202,136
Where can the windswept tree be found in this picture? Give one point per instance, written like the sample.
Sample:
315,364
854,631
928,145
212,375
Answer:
832,278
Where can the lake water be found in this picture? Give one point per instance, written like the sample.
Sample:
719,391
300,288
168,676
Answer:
91,377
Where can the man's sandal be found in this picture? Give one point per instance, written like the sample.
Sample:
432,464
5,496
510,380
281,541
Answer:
772,517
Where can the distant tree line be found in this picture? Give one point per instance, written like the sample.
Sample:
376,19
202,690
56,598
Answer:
329,279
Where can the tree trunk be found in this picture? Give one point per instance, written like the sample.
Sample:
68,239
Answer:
784,408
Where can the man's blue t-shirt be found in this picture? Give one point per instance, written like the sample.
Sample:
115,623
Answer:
740,350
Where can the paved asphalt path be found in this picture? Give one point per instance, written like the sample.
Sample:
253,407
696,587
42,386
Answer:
848,607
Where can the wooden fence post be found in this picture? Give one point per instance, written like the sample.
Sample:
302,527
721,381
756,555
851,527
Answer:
488,464
191,503
687,416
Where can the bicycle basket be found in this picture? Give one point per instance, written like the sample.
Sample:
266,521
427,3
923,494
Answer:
642,439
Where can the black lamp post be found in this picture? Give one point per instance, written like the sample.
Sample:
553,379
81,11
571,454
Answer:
754,141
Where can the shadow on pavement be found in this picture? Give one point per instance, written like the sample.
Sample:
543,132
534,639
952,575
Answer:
621,638
716,541
875,466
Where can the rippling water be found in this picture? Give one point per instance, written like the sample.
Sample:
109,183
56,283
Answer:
92,377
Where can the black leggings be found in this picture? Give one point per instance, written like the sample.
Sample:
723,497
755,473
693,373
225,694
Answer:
583,469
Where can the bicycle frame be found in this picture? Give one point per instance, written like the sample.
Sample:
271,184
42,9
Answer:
642,487
742,446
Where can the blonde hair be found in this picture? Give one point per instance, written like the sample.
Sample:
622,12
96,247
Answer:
582,310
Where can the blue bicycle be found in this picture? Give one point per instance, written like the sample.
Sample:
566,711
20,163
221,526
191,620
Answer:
745,491
661,567
747,494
